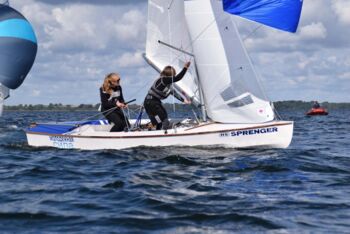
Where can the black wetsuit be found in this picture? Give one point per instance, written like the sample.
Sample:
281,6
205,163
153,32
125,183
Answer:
116,115
159,91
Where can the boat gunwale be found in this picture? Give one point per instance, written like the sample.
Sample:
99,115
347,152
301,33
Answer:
163,135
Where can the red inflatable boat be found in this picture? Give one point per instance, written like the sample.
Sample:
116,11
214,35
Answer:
317,111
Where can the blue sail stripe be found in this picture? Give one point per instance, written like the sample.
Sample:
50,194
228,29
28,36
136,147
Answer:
280,14
17,28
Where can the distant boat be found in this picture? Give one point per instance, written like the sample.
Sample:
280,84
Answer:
222,81
18,48
317,111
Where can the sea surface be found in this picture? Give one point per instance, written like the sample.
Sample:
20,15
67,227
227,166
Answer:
302,189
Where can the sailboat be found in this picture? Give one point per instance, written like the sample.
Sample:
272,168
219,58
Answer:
222,82
18,48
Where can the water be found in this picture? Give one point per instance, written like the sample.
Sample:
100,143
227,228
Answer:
304,188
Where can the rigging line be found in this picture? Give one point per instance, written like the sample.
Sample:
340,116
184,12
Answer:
104,113
143,86
200,34
250,60
171,57
195,39
170,5
126,121
252,32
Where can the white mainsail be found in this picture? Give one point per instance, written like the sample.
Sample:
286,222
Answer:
167,24
231,91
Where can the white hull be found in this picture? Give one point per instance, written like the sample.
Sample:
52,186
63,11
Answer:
276,134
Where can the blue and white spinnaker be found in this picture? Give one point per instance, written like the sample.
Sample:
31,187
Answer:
18,48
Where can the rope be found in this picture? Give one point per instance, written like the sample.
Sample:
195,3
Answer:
251,33
171,55
126,120
109,111
139,118
171,3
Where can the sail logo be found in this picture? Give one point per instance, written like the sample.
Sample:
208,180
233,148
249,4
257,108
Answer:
254,131
249,132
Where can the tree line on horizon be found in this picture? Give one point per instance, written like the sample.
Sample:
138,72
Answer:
279,105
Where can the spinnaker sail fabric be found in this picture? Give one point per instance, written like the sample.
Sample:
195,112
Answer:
280,14
167,24
18,47
231,90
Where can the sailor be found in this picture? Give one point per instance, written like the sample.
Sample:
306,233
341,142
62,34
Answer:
160,90
112,102
316,105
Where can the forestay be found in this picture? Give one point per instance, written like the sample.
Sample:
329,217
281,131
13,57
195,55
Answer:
166,23
231,90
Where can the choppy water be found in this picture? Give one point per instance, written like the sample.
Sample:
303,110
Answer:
305,188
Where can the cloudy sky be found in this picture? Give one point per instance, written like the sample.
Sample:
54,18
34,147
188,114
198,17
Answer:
82,40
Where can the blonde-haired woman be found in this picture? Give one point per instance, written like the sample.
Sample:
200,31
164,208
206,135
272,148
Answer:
112,99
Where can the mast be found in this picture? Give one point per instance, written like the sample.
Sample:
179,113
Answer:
201,96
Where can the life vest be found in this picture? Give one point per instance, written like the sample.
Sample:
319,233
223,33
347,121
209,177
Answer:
159,89
115,95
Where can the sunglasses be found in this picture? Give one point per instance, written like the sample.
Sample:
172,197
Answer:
115,81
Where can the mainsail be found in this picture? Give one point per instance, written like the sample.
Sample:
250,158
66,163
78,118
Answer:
231,91
167,28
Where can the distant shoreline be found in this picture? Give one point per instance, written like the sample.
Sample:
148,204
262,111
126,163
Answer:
279,105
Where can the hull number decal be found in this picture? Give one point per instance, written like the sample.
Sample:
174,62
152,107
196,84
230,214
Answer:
62,142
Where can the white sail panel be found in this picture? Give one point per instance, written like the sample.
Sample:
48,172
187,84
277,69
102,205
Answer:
167,23
232,93
4,93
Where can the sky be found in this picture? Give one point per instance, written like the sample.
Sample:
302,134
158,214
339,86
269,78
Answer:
80,41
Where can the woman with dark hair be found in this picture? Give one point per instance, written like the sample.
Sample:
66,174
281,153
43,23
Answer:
112,102
161,90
